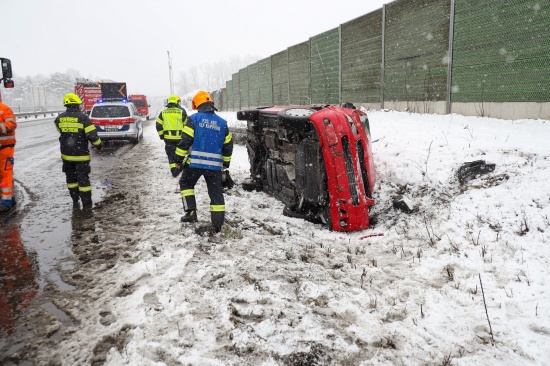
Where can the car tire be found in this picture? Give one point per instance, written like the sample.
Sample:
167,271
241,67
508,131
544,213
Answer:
295,114
138,139
250,185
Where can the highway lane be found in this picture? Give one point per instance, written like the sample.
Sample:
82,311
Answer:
45,214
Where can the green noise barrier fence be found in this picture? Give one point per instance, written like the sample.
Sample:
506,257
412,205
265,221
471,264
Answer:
410,51
501,51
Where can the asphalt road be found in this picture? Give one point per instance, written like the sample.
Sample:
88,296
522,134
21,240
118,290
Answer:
44,207
35,239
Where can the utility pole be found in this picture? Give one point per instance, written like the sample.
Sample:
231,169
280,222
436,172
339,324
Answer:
170,73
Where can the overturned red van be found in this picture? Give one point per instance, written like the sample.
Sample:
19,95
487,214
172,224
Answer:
317,160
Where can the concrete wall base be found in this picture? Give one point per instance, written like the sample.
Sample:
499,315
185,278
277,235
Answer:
510,110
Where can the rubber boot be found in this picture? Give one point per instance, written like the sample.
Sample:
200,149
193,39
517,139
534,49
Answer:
86,198
218,218
75,196
190,216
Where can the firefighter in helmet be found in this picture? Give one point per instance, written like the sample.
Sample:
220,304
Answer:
7,147
76,131
206,146
169,127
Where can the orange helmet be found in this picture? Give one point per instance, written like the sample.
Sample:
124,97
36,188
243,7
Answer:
199,98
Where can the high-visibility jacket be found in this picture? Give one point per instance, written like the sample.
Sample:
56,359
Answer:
7,143
170,123
210,139
75,131
7,126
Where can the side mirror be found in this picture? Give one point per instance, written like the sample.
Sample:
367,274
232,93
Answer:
6,68
8,83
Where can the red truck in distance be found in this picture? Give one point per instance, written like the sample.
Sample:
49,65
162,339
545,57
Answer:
140,101
90,92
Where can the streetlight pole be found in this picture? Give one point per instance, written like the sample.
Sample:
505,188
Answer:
170,73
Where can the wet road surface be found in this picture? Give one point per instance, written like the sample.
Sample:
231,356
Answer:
35,239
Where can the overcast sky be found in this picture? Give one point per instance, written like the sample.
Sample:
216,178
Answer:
125,40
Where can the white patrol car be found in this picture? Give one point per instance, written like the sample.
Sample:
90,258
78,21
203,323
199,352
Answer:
117,119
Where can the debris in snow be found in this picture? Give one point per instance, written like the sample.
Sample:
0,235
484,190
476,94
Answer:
473,169
404,204
371,235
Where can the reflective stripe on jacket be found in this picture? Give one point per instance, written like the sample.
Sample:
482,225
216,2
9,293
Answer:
170,123
75,131
7,126
211,141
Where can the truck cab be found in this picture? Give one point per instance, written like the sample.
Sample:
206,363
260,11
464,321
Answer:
140,101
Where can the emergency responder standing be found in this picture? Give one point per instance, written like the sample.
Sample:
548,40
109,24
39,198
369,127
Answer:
169,127
75,131
206,146
7,147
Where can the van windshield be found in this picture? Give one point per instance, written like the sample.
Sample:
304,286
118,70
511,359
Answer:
139,102
110,111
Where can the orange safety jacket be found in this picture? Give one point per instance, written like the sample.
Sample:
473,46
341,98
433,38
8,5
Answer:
7,126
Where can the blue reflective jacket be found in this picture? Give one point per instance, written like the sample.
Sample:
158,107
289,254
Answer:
209,137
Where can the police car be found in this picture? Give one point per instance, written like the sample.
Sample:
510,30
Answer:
117,119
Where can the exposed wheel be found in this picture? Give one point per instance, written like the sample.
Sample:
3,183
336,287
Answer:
250,185
296,114
296,119
137,139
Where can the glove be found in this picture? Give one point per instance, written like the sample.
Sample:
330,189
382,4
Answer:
227,182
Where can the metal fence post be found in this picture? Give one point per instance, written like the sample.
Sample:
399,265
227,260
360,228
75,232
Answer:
383,56
450,57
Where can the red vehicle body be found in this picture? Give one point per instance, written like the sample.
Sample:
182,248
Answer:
315,159
140,101
90,92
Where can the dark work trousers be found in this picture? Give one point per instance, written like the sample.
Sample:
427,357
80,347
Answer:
170,148
78,181
213,178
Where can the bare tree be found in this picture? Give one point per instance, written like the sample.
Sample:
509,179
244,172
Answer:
183,83
194,77
211,76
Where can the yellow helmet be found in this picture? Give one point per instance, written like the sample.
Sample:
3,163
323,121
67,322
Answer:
199,98
71,98
174,99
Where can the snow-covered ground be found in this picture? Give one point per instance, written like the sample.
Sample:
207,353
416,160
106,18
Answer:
462,280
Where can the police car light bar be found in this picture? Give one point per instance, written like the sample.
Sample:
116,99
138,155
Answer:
103,100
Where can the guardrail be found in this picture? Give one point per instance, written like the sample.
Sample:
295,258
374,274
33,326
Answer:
36,114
